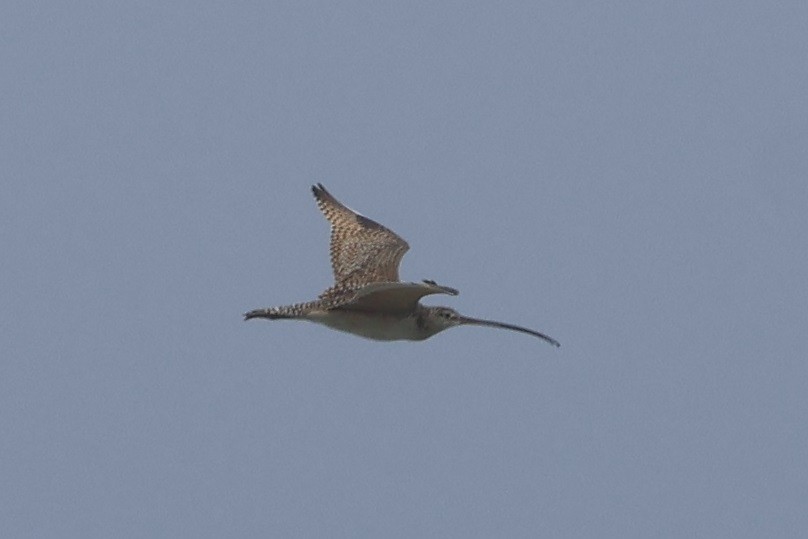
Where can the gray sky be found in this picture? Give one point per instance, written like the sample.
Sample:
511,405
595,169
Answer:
629,178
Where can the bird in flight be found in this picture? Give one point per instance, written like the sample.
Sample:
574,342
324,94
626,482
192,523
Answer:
367,298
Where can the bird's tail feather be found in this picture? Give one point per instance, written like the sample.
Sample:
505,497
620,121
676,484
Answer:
298,310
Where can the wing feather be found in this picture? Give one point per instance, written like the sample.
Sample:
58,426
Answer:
362,250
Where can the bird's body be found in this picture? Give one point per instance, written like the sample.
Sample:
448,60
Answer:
376,326
367,299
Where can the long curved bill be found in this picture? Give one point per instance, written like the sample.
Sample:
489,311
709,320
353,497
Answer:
502,325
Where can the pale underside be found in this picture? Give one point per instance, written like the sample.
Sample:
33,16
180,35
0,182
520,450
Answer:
376,326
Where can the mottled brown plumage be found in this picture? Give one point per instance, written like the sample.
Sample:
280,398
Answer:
362,250
367,299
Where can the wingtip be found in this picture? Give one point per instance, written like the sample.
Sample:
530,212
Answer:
445,289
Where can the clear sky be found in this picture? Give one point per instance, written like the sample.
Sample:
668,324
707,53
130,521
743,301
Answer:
630,178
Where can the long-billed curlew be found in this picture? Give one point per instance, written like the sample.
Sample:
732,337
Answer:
367,299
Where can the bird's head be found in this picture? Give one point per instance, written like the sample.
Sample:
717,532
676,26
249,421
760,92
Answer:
437,319
443,318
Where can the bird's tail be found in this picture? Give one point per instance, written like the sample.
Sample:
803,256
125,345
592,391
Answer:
298,310
270,314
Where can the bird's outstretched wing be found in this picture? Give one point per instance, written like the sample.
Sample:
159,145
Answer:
393,298
362,250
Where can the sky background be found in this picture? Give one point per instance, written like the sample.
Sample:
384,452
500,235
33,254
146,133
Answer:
630,178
